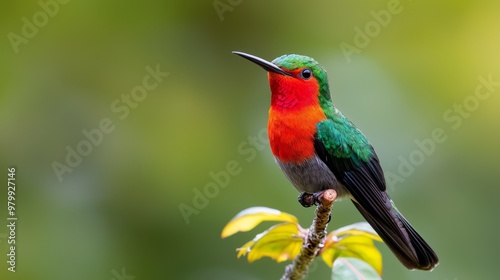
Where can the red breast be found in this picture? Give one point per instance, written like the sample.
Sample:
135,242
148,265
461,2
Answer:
293,116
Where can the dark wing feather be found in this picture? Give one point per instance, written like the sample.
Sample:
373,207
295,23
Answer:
364,179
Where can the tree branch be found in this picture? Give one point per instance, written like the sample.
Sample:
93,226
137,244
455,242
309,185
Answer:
315,238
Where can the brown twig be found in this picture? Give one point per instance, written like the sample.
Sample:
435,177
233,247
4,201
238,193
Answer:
314,240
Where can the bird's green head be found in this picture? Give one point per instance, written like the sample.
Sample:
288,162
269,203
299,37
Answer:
303,66
296,80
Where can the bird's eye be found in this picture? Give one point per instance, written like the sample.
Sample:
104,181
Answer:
306,74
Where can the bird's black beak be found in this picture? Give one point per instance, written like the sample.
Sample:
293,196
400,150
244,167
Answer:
268,66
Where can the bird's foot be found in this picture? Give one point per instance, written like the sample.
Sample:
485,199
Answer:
316,196
306,199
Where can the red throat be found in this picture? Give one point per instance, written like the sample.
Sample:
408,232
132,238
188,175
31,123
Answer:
292,93
293,116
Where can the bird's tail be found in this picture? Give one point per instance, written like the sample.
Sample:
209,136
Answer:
403,240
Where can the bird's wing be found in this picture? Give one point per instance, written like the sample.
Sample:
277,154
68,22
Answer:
348,154
353,161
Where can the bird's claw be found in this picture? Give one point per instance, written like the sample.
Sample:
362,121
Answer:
316,196
308,199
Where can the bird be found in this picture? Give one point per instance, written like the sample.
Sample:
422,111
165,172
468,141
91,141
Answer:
318,148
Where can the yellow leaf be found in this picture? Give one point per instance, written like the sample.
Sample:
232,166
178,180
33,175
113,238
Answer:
281,242
356,241
356,246
245,248
249,218
361,228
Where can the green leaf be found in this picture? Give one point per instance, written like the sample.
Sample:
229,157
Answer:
251,217
353,269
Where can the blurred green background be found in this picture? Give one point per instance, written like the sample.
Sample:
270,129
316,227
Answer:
119,208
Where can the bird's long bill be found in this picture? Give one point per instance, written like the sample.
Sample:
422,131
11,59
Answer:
268,66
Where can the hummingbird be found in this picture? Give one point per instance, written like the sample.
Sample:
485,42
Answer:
318,148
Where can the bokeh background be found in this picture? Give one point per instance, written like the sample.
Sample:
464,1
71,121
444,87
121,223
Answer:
118,210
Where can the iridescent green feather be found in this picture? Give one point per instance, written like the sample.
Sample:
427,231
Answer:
342,140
